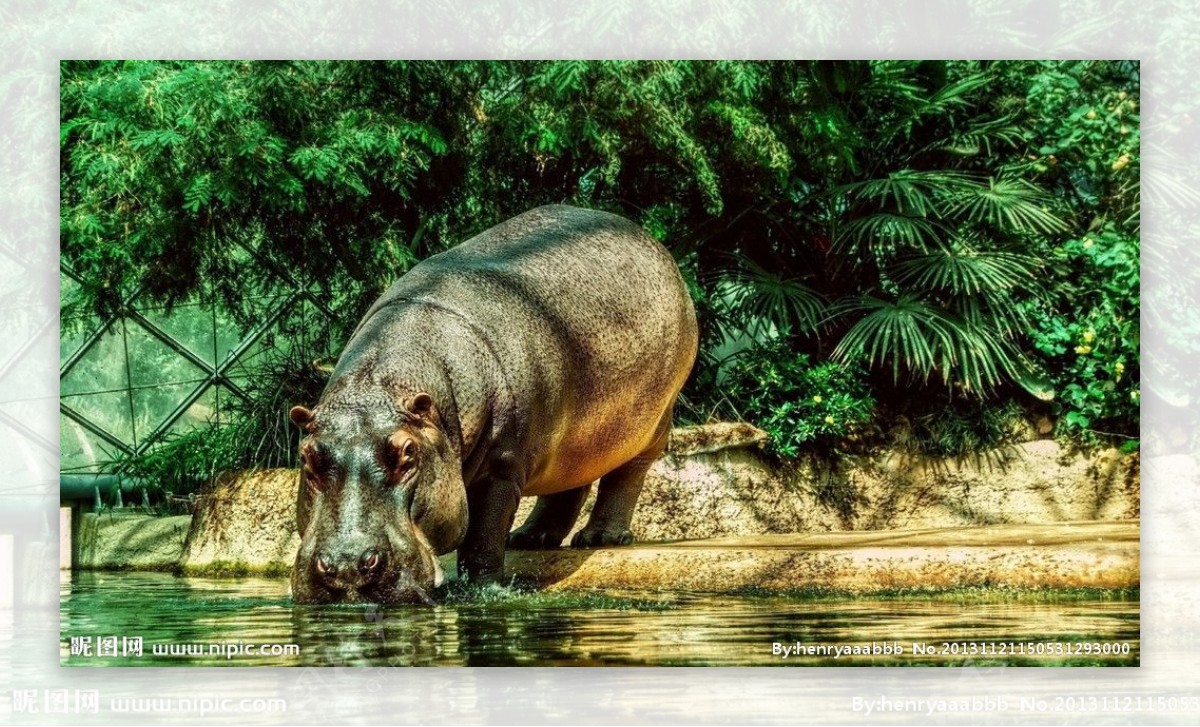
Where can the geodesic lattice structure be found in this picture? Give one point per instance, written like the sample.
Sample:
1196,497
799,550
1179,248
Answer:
128,382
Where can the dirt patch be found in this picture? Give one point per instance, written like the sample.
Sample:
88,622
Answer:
707,438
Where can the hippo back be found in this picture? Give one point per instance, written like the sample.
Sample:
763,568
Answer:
590,321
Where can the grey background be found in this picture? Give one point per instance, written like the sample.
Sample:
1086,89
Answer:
33,38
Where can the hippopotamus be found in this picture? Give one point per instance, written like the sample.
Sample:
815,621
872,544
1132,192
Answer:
534,359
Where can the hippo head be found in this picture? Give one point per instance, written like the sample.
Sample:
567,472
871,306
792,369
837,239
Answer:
378,502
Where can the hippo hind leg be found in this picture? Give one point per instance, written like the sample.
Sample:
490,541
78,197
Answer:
618,495
613,511
551,520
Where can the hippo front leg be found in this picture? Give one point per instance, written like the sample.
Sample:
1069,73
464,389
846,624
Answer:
491,506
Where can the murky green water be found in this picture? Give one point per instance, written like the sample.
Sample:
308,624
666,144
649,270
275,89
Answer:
196,621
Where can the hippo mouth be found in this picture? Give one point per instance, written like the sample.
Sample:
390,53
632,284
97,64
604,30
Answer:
381,594
403,591
392,587
402,586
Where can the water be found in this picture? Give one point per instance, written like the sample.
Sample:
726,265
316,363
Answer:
531,629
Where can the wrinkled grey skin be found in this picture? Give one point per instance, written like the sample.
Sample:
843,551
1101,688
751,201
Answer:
533,359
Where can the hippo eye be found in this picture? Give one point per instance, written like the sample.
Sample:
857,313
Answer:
311,479
312,459
408,456
400,454
313,482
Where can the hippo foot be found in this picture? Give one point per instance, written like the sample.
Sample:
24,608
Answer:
589,538
521,539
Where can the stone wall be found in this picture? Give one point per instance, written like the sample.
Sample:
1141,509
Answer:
742,491
244,523
715,481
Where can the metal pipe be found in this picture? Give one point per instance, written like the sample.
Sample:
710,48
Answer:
76,486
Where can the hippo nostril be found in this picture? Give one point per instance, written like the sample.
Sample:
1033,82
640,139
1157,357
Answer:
370,561
325,565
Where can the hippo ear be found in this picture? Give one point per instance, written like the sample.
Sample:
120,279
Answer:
302,417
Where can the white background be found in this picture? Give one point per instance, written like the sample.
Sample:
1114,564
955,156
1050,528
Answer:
1163,34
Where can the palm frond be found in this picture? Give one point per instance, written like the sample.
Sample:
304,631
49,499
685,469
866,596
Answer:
909,334
913,192
976,360
984,360
893,230
893,80
954,95
985,138
760,299
1011,204
914,336
964,270
993,310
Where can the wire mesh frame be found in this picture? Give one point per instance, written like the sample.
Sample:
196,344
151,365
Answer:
215,374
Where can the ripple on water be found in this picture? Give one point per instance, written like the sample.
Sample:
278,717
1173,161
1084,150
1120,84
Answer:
546,629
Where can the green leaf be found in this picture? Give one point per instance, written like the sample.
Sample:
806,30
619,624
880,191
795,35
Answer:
1010,204
1077,420
198,193
961,269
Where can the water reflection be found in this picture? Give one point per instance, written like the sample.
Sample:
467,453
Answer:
525,630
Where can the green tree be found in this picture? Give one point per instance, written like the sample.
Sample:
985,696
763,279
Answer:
172,171
923,223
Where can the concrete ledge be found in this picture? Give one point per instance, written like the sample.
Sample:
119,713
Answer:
244,523
129,541
1066,555
1061,555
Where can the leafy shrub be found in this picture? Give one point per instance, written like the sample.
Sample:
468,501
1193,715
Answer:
963,427
798,403
181,464
1084,125
1094,350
